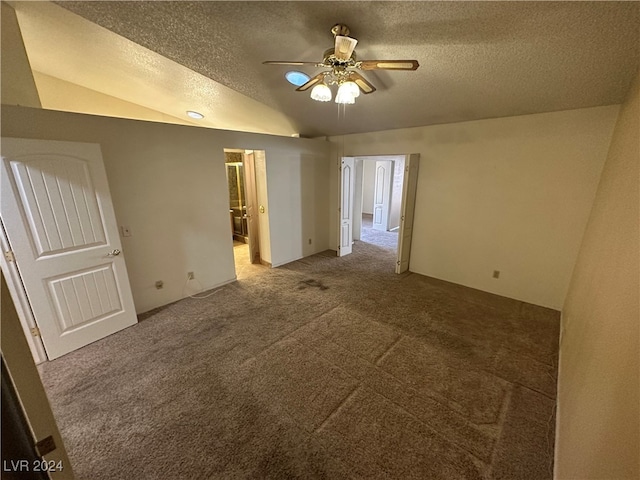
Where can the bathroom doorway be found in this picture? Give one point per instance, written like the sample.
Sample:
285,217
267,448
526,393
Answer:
245,170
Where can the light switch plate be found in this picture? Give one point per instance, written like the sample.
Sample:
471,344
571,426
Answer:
126,231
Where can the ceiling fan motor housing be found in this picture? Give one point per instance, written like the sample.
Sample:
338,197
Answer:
339,29
329,58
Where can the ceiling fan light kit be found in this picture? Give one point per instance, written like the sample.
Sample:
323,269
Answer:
321,93
342,63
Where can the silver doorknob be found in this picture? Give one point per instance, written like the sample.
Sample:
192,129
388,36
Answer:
113,253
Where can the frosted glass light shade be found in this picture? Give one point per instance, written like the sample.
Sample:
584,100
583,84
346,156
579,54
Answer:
344,95
321,93
353,88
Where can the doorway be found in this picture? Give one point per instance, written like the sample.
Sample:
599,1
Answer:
379,181
377,200
246,178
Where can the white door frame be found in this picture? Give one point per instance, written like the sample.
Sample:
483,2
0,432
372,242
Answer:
402,246
256,193
20,299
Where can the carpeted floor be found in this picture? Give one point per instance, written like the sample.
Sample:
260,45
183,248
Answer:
327,367
386,240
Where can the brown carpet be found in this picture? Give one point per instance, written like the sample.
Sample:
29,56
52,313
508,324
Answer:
327,367
386,240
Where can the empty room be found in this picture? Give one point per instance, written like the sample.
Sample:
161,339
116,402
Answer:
338,240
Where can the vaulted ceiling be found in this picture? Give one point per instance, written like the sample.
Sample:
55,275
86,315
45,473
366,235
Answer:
477,59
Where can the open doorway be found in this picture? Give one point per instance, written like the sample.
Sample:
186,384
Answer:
377,207
246,181
378,191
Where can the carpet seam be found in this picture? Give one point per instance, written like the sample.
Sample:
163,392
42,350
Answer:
338,407
387,351
428,426
285,336
502,417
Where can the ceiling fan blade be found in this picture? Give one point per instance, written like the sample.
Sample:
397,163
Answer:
290,63
344,47
389,64
363,84
312,82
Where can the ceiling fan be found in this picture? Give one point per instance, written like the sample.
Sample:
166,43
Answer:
342,63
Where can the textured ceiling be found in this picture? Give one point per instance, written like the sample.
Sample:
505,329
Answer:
478,59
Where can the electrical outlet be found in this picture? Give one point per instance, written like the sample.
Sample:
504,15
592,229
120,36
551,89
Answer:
496,274
190,276
159,284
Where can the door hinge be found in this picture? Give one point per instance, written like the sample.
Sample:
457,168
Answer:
45,446
398,263
9,256
35,331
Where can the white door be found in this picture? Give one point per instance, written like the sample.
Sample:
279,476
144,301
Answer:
56,207
409,188
249,166
347,183
357,199
382,194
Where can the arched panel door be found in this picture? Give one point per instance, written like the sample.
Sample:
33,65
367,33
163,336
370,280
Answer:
57,211
347,184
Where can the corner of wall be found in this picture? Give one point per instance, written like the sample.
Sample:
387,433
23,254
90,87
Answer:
18,85
597,420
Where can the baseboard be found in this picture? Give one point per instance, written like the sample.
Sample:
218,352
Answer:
221,284
265,263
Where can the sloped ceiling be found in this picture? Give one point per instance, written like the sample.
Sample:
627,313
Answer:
478,59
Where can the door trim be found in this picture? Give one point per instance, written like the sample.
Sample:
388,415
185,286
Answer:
377,156
20,300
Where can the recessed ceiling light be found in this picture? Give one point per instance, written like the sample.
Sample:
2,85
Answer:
193,114
296,78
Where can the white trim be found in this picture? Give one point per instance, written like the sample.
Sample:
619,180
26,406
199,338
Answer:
20,300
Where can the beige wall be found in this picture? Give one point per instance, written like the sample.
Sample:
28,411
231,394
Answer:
510,194
168,186
57,94
18,87
598,389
